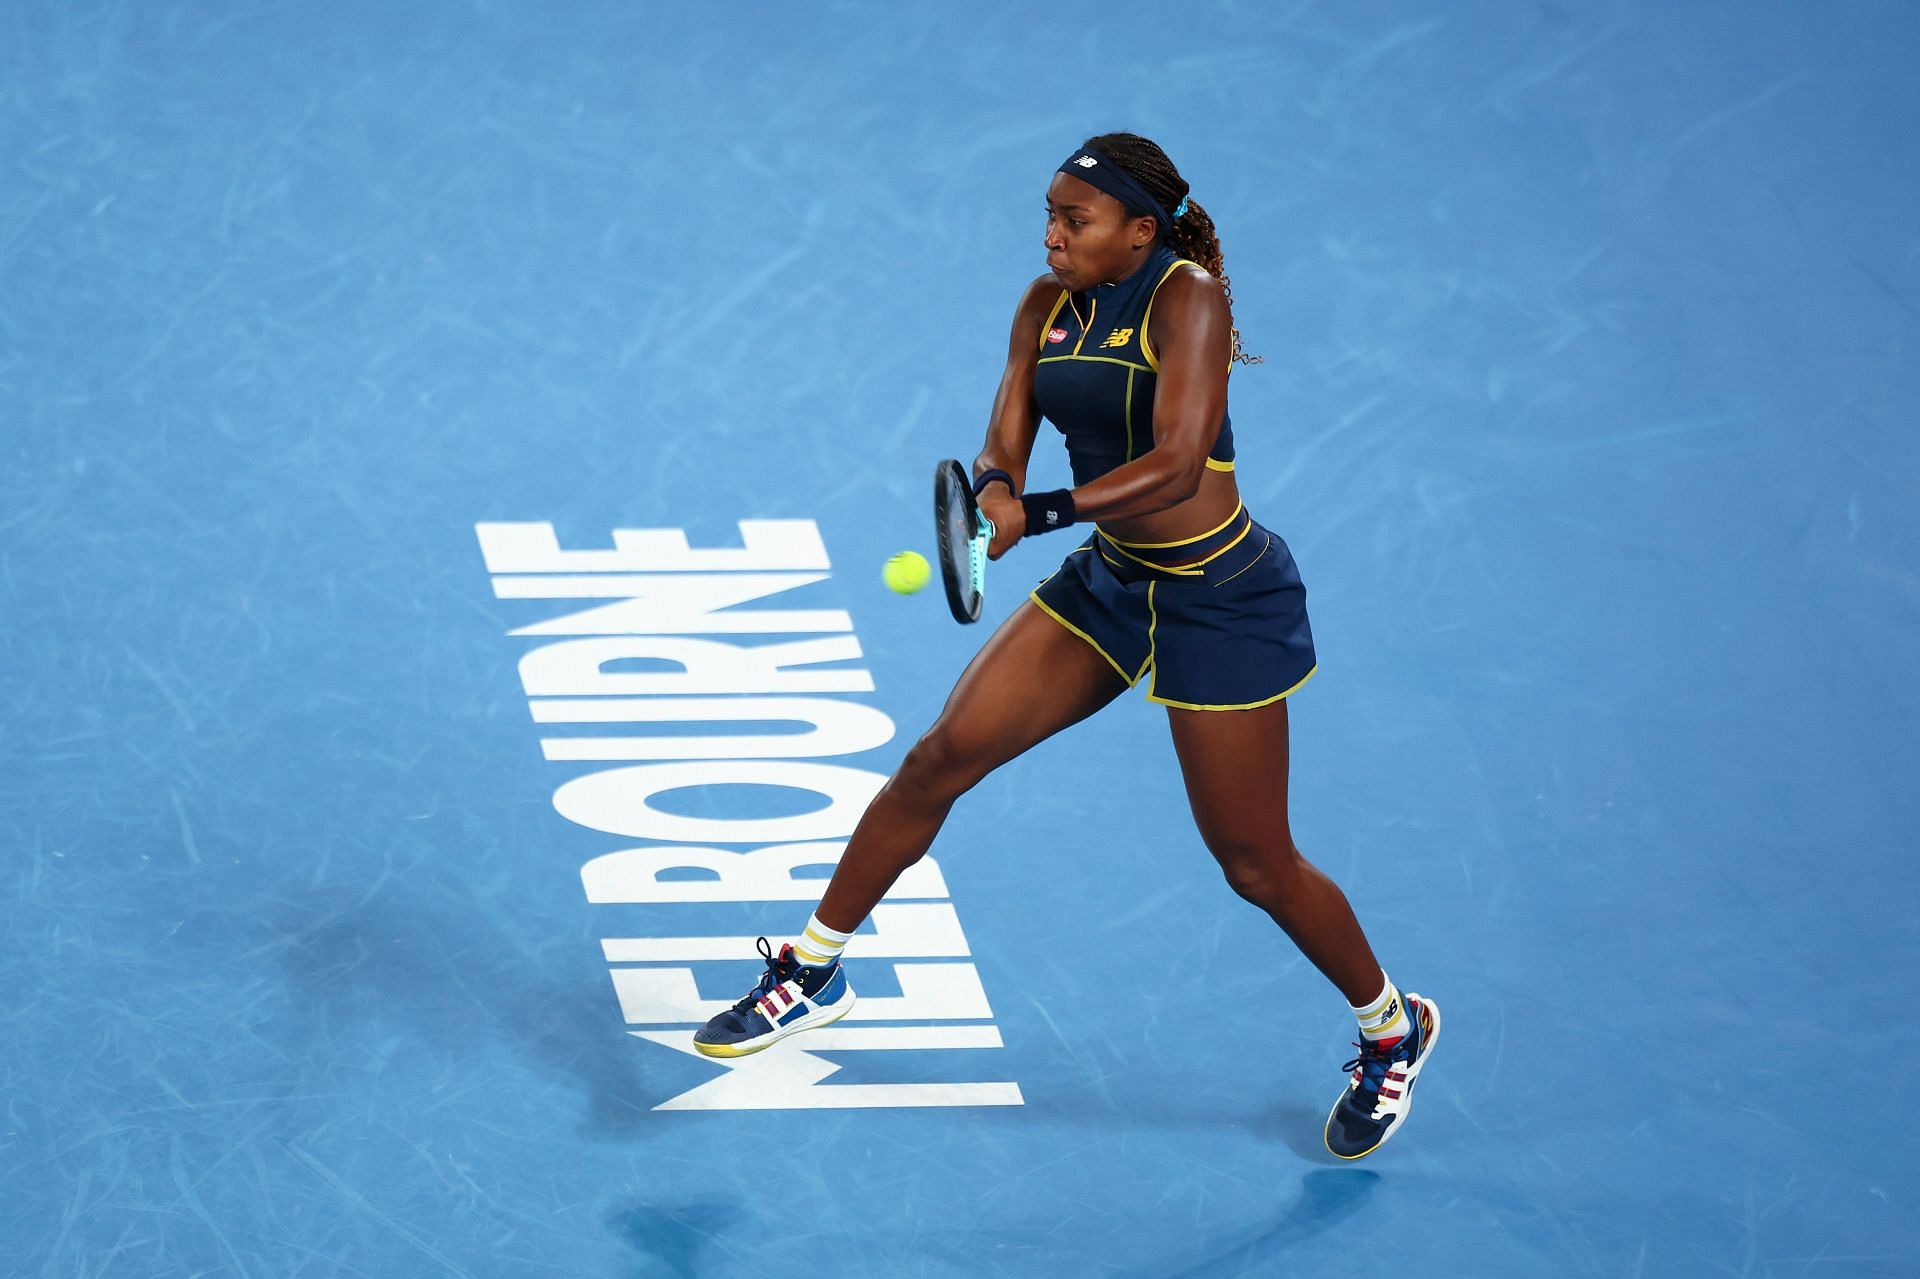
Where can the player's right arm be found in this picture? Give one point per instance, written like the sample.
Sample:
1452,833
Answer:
1016,413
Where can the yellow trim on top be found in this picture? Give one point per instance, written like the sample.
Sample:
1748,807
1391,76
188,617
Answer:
1048,323
1243,706
1146,347
1215,464
1094,359
1185,541
1034,595
1129,407
1086,325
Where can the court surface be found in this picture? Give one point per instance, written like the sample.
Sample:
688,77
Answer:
1592,341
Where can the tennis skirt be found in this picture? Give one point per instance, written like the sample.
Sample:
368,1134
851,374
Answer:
1213,623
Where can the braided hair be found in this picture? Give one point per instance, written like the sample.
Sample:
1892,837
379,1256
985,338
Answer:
1192,233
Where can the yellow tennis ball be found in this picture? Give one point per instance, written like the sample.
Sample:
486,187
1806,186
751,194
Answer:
907,572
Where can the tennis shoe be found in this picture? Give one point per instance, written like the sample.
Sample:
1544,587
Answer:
789,998
1380,1091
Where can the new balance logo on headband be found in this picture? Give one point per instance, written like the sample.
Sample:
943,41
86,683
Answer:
1086,162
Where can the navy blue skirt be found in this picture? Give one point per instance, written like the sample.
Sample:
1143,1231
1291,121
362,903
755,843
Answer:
1213,623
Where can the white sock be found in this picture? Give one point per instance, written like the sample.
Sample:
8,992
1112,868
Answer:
1385,1017
818,945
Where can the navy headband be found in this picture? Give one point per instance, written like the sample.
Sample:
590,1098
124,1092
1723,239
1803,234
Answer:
1097,170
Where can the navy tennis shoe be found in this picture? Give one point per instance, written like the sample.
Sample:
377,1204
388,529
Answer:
1380,1092
790,997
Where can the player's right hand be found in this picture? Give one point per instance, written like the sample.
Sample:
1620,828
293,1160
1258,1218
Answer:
1008,516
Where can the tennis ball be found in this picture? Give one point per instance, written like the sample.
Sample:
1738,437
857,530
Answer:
906,572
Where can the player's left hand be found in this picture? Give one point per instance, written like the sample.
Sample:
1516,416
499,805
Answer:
1008,516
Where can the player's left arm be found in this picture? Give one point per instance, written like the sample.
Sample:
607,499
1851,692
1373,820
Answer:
1192,337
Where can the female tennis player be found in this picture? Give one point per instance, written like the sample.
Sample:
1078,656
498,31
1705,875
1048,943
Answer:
1125,345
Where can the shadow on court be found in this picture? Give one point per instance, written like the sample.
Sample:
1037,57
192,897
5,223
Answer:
1300,1125
1328,1196
462,988
680,1239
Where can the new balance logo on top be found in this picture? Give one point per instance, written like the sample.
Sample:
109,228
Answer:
1119,337
1086,162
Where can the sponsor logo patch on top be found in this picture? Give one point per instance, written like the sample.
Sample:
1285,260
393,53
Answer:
1056,335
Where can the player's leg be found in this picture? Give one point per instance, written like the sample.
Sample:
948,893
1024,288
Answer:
1235,765
1031,679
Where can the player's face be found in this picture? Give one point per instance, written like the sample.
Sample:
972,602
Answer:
1090,238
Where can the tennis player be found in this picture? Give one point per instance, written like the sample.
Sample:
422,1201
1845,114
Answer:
1125,346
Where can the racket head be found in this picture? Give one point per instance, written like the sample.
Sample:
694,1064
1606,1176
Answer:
957,528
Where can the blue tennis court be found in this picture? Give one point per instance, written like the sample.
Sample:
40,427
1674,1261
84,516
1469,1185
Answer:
449,451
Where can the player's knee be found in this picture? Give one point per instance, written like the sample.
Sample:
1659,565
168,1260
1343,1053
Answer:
938,769
1262,873
1247,877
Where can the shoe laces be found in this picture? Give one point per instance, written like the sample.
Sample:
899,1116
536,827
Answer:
1371,1066
778,970
1369,1069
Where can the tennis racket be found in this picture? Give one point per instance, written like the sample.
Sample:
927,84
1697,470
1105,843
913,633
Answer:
962,533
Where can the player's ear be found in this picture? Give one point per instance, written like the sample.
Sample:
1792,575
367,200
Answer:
1144,229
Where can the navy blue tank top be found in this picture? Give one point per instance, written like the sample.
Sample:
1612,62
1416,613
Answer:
1097,373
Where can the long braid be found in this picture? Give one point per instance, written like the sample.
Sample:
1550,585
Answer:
1192,233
